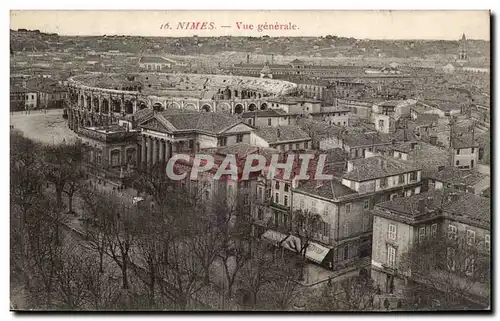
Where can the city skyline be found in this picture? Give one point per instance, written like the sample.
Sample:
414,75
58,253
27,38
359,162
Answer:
380,25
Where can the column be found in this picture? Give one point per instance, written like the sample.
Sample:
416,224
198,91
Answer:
135,105
162,151
143,163
168,150
149,152
162,161
155,151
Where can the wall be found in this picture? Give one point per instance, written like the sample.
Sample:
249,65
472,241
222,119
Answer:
465,157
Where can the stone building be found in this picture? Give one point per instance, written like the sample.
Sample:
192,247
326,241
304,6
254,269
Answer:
446,233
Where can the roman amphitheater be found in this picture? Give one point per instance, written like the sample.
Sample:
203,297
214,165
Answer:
100,99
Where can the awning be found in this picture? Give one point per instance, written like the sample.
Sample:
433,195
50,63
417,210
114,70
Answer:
274,237
314,252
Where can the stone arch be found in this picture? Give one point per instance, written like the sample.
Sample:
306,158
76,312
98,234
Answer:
96,104
238,109
252,107
141,104
263,106
115,157
174,104
117,105
129,107
130,155
206,108
223,107
190,106
158,107
105,106
88,103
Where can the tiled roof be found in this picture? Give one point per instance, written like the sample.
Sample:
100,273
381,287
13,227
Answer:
209,122
328,189
457,176
426,119
264,113
140,116
377,167
243,149
454,205
463,142
154,60
278,134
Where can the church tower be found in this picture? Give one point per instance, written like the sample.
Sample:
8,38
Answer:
462,53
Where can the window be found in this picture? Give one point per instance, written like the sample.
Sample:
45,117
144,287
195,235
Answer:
269,122
380,123
285,220
297,146
286,187
401,179
222,141
345,253
348,208
285,200
413,176
325,229
487,241
246,200
290,146
276,219
452,232
383,182
301,203
471,237
421,234
346,229
277,199
472,150
450,258
458,151
207,195
434,228
259,193
391,256
277,185
392,232
239,138
470,265
260,214
457,163
306,145
191,144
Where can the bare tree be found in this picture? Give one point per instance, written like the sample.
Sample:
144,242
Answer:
451,272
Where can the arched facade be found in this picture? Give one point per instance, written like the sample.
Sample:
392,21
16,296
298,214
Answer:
92,106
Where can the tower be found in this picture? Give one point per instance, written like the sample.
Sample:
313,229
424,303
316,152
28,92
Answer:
462,53
266,71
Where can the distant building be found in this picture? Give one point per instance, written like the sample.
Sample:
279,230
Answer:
462,50
284,138
268,118
17,98
470,180
110,153
155,63
465,152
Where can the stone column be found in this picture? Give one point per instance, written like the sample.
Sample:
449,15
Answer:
162,151
155,151
149,152
168,149
143,153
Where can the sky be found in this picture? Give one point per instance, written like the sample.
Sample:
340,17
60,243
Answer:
438,25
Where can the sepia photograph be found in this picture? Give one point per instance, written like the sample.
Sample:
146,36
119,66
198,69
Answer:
250,161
